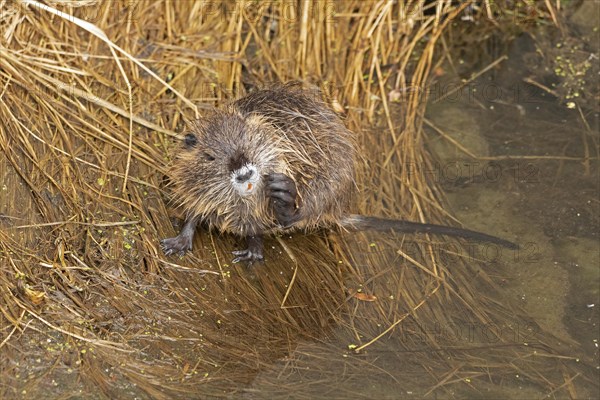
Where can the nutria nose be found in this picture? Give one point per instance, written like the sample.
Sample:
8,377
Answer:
243,178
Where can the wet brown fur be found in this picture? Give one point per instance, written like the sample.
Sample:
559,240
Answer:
283,129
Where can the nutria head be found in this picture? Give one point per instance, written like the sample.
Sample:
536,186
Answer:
223,163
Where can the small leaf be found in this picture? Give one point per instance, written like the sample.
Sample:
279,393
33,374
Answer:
364,297
36,297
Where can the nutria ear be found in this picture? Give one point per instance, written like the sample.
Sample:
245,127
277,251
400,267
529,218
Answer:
190,140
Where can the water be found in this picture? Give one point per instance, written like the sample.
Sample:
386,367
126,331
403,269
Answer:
550,202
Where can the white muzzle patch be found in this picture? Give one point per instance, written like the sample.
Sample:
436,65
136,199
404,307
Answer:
245,180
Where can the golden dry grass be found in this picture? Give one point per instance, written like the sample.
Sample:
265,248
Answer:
86,138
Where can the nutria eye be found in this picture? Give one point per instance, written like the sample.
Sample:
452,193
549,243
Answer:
190,140
208,157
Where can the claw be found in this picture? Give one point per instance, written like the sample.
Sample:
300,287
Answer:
181,243
247,256
177,245
282,191
254,252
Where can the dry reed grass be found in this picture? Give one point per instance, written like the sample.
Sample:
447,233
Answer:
86,138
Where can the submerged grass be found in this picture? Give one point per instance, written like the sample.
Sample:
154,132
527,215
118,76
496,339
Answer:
90,116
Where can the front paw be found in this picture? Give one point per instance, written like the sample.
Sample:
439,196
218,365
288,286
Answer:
254,252
282,191
176,245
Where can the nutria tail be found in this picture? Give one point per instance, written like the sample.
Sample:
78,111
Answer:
355,222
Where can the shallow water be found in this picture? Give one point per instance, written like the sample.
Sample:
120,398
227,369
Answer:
550,204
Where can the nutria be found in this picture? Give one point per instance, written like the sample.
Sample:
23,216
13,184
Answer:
276,160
